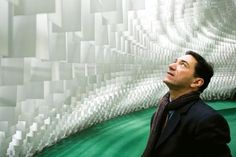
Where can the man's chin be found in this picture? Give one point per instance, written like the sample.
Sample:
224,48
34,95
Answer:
168,84
165,81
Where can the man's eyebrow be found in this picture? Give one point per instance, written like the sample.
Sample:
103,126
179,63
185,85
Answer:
184,61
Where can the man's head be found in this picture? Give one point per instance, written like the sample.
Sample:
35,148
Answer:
190,72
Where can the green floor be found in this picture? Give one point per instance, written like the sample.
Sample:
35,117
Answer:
124,136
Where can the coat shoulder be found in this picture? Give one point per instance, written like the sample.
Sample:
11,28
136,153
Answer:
202,116
202,110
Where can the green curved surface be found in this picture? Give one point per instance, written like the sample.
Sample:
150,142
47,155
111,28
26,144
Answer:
124,136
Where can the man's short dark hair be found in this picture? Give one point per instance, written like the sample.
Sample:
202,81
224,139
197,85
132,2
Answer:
203,69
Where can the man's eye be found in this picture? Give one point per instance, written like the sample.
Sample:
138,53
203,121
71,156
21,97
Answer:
183,64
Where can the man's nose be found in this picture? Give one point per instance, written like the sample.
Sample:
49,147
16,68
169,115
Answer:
172,66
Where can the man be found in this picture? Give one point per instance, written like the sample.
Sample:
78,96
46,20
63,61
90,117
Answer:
183,125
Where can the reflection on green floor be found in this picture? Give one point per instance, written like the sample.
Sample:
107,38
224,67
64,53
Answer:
124,136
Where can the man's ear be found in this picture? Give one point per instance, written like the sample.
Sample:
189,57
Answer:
197,82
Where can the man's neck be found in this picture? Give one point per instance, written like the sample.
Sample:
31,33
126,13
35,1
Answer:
174,94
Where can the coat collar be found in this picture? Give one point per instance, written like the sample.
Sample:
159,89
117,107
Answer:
179,106
181,103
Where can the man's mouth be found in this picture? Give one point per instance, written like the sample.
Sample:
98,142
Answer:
170,73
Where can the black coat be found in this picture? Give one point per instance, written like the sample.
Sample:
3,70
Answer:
194,130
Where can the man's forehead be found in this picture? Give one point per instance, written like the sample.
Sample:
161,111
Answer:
188,58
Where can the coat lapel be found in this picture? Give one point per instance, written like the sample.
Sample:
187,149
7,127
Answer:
179,106
170,127
172,123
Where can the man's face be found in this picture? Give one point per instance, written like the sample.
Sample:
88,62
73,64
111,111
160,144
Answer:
180,74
